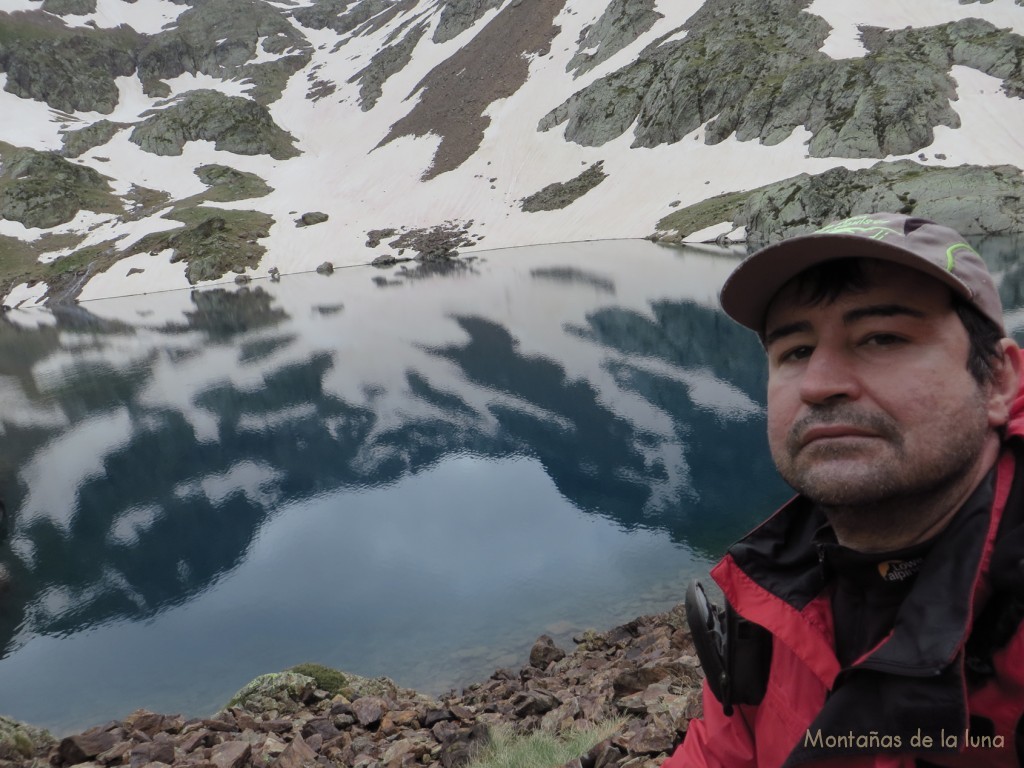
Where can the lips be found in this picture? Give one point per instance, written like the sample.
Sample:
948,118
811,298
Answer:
832,431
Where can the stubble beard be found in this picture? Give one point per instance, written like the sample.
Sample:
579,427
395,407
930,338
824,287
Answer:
889,492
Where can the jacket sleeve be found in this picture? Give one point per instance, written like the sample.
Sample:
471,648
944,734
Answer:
717,741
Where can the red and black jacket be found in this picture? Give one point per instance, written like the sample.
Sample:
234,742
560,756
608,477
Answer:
945,687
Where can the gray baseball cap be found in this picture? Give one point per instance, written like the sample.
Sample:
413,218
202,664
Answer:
917,243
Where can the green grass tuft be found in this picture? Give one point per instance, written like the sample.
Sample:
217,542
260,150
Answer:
327,678
540,749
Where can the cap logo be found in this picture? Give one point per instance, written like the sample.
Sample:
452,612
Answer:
863,226
951,254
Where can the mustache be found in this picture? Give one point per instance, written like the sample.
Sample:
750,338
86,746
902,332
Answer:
823,416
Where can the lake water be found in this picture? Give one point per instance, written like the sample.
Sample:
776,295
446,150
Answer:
410,472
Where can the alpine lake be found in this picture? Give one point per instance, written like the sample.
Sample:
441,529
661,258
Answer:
412,471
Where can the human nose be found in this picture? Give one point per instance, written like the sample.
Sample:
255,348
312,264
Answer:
828,375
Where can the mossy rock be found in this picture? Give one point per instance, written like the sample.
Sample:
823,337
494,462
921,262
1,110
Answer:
562,194
233,123
19,741
327,678
285,692
228,184
81,141
42,189
214,241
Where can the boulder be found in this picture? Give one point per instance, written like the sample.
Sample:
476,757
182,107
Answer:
280,691
311,218
369,710
233,123
230,754
298,754
85,746
545,652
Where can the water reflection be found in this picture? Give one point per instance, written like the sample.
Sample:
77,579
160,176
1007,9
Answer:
411,481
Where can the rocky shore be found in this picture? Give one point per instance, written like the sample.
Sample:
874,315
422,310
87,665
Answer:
643,673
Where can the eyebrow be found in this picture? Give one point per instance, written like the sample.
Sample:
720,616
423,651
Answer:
874,310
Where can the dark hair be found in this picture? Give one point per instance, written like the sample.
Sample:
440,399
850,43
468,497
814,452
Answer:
827,281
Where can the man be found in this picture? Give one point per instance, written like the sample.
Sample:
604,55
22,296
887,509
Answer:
890,590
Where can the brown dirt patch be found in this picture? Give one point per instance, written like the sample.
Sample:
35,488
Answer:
494,65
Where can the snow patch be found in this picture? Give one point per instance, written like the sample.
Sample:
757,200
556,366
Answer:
138,274
24,296
147,17
709,234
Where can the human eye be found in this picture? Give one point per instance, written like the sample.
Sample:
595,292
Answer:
883,340
794,353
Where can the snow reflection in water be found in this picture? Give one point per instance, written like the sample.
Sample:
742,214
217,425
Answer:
403,473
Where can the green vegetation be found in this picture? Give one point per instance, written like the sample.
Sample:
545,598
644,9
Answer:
714,210
42,189
233,123
213,242
327,678
81,141
562,194
228,184
539,749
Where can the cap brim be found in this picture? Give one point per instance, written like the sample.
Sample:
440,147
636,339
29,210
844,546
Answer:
749,290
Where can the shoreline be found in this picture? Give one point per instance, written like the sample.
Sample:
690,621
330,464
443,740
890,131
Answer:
644,672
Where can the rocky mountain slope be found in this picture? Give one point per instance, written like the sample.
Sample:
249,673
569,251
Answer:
156,144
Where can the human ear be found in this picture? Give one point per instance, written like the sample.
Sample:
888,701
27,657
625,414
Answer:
1005,382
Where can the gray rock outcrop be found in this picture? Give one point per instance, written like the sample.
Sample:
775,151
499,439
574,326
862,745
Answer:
96,135
455,94
385,63
357,17
622,22
459,15
42,189
976,200
219,38
234,123
69,7
562,194
755,70
228,184
68,70
212,243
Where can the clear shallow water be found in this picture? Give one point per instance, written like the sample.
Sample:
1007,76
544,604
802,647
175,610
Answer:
403,472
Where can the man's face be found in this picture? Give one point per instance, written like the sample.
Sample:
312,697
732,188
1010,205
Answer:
869,396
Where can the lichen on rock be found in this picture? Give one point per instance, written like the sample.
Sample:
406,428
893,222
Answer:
21,742
310,218
755,70
228,184
344,16
69,7
562,194
385,63
219,38
96,135
233,123
69,69
43,189
213,242
459,15
976,200
279,691
622,22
